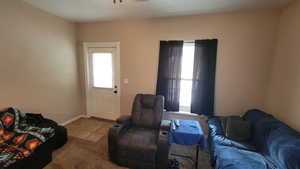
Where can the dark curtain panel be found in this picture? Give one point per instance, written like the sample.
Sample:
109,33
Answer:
169,72
203,90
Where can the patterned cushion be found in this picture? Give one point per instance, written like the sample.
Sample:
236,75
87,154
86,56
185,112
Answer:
18,140
7,119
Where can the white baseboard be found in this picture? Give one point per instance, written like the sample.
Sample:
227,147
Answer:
73,119
107,116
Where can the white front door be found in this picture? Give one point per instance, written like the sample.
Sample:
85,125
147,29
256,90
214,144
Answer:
103,81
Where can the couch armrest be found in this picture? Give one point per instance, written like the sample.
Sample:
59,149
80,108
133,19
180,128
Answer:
163,145
125,119
221,140
114,134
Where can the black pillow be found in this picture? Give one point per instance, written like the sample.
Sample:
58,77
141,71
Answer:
237,129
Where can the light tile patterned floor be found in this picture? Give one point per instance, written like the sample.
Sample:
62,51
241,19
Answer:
87,147
90,129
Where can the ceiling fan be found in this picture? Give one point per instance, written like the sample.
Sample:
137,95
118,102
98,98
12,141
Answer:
121,1
115,1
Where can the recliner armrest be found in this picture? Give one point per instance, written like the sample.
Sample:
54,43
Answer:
114,134
125,119
163,147
163,138
117,129
165,125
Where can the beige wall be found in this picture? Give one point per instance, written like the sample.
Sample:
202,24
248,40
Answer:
39,71
38,67
284,90
246,42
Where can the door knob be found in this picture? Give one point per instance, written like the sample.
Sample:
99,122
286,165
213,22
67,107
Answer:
115,91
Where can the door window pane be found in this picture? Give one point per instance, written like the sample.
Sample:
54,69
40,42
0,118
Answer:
102,70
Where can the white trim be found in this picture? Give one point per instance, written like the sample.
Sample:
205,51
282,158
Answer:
107,116
189,43
185,109
183,113
101,44
73,119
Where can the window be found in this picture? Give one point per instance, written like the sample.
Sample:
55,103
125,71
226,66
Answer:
187,65
102,70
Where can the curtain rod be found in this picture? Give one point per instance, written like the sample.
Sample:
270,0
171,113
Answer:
185,41
189,41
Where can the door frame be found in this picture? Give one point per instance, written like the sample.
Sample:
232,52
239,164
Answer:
86,46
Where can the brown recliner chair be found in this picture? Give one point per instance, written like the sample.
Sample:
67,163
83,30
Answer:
140,141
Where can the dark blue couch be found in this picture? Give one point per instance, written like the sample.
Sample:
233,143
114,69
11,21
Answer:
273,145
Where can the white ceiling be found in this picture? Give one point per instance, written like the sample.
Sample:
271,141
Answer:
94,10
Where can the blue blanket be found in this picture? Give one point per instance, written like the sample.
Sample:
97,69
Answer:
189,132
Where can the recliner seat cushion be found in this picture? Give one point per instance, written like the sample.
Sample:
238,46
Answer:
138,144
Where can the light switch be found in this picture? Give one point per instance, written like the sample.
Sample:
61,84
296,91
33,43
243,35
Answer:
126,81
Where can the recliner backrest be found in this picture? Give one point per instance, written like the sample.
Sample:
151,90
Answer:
147,111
